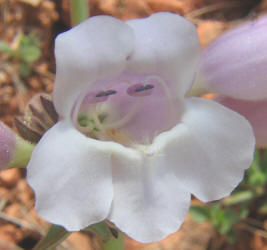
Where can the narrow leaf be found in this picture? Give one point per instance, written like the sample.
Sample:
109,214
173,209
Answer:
200,213
239,197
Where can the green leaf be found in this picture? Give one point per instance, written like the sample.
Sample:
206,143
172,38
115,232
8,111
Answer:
29,48
4,47
236,198
264,160
30,53
54,237
244,212
24,69
231,238
101,230
217,216
200,213
114,244
263,209
230,217
256,175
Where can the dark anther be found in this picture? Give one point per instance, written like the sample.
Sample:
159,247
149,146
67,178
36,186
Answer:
106,93
145,87
111,92
101,94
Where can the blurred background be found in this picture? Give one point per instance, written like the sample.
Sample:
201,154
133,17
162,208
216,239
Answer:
27,67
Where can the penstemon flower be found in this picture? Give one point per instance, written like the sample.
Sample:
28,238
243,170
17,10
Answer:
129,147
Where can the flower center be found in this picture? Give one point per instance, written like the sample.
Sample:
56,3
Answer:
130,109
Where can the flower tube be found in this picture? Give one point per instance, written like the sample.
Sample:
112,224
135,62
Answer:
128,146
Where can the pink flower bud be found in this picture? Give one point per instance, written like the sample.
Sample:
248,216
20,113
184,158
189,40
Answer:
7,145
254,111
235,63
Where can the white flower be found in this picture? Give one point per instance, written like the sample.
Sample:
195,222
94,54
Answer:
129,147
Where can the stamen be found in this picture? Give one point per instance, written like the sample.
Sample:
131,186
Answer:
140,89
146,87
106,93
126,118
111,92
101,94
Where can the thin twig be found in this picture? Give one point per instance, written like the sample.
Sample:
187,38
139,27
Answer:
253,230
2,204
16,221
18,83
212,8
254,222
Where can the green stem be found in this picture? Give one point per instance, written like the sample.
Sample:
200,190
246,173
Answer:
79,11
114,244
53,238
22,153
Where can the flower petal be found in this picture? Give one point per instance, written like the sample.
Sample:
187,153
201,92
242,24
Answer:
209,150
71,177
148,203
254,111
93,50
166,44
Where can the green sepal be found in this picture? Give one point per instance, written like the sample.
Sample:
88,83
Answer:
53,238
22,153
114,243
101,230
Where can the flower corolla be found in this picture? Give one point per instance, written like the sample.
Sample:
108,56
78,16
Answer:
129,147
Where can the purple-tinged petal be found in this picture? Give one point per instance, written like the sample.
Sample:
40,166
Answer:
166,44
96,49
149,203
209,151
254,111
235,63
71,177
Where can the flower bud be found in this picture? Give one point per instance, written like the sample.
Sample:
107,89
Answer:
14,151
235,64
254,111
7,145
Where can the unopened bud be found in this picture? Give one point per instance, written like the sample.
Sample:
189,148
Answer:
14,151
254,111
235,64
